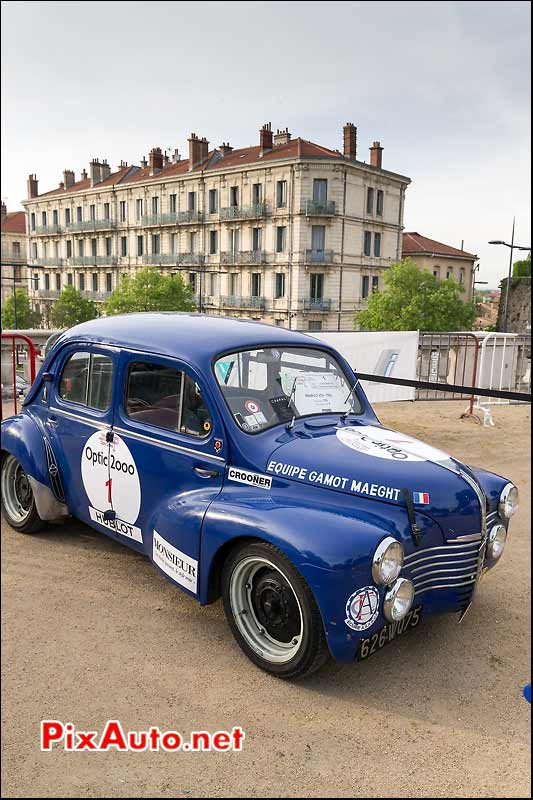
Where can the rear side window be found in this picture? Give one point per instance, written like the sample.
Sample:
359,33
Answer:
87,379
167,398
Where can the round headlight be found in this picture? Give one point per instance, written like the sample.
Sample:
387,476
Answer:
398,600
508,504
387,561
496,542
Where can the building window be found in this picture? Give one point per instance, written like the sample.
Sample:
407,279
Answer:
257,238
233,283
95,281
281,239
379,203
34,249
377,244
375,283
32,221
81,282
67,216
315,325
193,238
156,244
213,201
107,212
47,282
81,244
58,282
139,208
92,212
318,238
316,289
320,191
365,286
281,194
43,218
213,243
172,205
123,211
140,245
69,248
367,243
191,201
155,205
449,273
16,249
369,200
94,246
280,285
108,245
174,243
212,284
192,281
108,282
436,273
234,196
79,214
36,281
256,284
55,217
123,245
234,240
461,276
70,280
257,194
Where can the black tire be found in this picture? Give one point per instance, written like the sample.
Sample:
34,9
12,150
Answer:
29,521
285,611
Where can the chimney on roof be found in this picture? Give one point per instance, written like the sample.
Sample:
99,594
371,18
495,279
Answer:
122,164
68,178
156,160
84,174
198,150
95,169
4,211
144,162
61,184
225,149
265,139
106,170
376,155
282,137
166,158
32,186
350,141
176,156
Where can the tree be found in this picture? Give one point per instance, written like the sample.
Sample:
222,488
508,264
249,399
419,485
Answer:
17,312
415,300
71,308
522,269
148,290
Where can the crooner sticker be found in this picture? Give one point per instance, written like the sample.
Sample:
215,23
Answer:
362,609
251,478
382,443
177,565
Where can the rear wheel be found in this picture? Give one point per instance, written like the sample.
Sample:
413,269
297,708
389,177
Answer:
272,612
18,502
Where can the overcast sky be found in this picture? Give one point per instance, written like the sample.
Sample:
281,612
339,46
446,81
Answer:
443,85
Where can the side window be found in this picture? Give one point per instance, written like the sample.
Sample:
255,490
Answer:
166,398
87,379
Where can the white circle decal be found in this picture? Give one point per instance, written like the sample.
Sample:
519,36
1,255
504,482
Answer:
362,608
382,443
110,476
252,406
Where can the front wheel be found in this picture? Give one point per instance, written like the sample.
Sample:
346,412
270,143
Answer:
18,502
272,612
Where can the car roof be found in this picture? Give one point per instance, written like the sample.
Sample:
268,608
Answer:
195,338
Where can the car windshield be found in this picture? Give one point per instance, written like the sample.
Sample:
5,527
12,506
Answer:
266,387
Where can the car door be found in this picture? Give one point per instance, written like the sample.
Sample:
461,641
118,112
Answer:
168,422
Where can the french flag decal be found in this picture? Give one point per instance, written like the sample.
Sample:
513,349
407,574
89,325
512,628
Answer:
422,498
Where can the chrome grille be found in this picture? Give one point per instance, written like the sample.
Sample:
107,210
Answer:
449,566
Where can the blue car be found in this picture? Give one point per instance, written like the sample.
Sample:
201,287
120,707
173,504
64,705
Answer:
245,462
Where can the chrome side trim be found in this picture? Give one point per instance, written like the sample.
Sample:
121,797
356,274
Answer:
48,507
169,445
87,420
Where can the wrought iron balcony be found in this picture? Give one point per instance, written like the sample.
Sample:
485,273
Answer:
173,218
315,304
245,257
47,230
244,302
190,258
90,225
48,262
47,294
315,208
255,211
92,261
319,256
97,296
160,258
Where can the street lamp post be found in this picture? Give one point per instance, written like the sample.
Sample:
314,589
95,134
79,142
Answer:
512,247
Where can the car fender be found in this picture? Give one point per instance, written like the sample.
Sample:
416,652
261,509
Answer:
329,540
24,438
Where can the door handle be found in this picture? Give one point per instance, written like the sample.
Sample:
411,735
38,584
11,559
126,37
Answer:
206,473
53,421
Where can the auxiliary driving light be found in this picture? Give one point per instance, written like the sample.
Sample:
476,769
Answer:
496,542
398,600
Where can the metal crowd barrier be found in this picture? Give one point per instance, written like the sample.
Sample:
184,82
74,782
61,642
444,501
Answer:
18,340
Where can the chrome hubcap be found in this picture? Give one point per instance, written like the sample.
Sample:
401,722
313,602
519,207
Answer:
16,490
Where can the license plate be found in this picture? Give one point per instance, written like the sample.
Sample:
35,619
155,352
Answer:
392,630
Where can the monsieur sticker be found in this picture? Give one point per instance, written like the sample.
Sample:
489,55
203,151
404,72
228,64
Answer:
382,443
177,565
362,608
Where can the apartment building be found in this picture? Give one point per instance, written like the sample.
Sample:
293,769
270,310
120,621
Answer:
287,231
14,252
442,260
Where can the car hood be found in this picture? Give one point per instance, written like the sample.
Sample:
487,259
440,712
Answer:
377,463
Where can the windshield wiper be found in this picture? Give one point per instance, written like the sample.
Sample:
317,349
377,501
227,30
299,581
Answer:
290,426
345,414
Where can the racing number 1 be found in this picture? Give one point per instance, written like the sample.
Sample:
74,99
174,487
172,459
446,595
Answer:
109,484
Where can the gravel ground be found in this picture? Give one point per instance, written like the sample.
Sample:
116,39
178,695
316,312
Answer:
91,631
